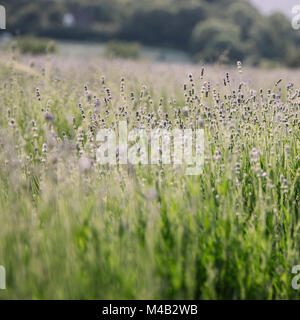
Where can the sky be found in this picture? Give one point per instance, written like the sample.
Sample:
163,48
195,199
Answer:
268,6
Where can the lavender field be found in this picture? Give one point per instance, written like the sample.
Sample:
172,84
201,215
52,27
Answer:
74,229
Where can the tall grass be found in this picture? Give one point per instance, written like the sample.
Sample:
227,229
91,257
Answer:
73,229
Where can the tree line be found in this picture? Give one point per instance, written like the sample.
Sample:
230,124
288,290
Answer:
209,30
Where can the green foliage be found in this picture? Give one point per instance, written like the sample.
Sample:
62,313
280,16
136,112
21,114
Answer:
162,25
125,50
214,38
33,45
243,15
273,40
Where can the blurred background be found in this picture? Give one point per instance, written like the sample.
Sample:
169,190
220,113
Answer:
259,33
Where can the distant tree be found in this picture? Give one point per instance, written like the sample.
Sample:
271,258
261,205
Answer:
244,15
286,46
185,20
55,17
29,19
273,37
212,38
263,39
148,26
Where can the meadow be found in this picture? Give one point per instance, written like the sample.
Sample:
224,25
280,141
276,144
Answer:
72,229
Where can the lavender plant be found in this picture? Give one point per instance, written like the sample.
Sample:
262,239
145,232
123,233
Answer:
71,228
